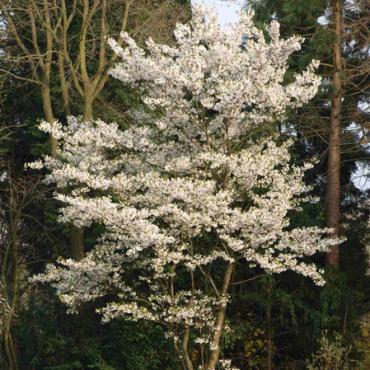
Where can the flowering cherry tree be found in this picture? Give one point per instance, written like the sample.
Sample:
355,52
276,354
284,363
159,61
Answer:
185,194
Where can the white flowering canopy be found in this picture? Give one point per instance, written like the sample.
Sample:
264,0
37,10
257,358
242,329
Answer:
184,193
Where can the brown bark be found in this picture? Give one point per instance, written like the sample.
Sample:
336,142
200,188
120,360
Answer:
88,104
185,350
220,320
77,234
88,86
37,54
49,116
44,59
64,86
333,195
77,243
269,328
9,272
9,344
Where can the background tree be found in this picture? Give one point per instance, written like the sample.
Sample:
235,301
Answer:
90,60
70,37
40,239
28,38
311,125
317,123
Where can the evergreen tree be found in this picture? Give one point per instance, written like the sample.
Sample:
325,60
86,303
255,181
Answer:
313,126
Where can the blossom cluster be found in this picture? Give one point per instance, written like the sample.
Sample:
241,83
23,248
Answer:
186,190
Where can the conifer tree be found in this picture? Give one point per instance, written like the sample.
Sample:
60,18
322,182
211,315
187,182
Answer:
333,126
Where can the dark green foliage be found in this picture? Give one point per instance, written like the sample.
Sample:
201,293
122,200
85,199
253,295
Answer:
50,339
300,311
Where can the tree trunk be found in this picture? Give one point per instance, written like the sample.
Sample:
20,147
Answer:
185,351
77,243
269,327
77,234
11,267
334,154
49,116
215,342
63,84
88,104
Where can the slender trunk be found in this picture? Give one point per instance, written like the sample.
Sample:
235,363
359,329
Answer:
88,104
77,243
220,320
334,155
269,328
12,294
63,85
10,348
185,350
77,234
49,116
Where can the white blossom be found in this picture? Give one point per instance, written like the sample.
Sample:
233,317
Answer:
186,188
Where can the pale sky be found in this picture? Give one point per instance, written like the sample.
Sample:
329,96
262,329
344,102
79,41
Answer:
228,10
